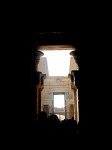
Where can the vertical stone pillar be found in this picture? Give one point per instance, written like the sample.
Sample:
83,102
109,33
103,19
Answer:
71,111
35,59
35,80
75,79
75,55
75,100
76,97
40,87
74,88
38,95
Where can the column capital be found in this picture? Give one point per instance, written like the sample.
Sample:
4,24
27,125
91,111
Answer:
74,54
36,52
36,57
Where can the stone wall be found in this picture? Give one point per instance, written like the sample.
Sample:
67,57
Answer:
57,84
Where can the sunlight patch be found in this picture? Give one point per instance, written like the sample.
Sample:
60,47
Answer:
58,62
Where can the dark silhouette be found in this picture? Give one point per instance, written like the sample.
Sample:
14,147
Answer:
51,124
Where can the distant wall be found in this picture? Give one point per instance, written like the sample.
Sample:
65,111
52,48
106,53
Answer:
57,84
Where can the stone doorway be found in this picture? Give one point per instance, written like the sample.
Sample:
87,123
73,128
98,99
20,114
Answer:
59,105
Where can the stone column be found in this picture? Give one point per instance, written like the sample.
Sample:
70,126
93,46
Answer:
75,74
35,59
75,55
40,87
71,110
38,91
75,101
74,88
75,78
35,80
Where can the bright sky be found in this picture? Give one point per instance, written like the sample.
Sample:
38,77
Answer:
58,62
59,101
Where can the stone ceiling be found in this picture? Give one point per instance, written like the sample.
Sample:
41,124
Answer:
56,40
56,47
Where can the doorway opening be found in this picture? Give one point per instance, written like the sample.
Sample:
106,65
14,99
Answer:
57,64
59,105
